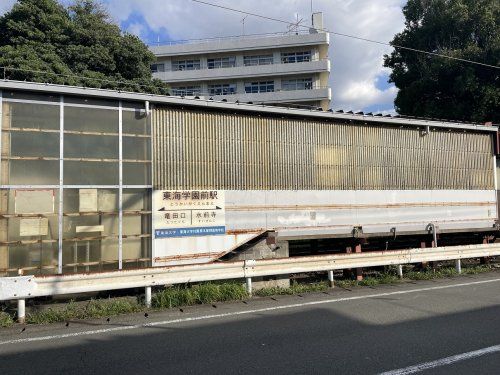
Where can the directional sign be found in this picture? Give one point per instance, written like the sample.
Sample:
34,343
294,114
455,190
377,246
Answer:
186,213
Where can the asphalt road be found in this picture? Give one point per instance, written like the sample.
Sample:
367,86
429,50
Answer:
410,328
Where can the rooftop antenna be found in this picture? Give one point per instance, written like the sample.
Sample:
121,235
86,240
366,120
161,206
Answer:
311,6
295,26
158,39
243,22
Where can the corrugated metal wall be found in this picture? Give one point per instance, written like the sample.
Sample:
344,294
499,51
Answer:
195,150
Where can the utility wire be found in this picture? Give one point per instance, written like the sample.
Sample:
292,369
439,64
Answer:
346,35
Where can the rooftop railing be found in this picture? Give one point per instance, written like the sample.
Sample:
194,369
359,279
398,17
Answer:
228,38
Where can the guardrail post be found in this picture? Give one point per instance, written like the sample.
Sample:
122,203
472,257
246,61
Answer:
249,285
359,271
400,271
331,279
21,311
458,266
147,298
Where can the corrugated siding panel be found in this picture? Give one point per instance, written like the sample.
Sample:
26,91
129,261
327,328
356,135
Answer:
195,150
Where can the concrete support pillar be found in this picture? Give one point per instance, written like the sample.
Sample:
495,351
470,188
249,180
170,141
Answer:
21,311
249,285
400,271
458,266
147,298
359,271
331,280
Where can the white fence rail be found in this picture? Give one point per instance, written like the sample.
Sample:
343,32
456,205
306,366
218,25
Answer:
23,287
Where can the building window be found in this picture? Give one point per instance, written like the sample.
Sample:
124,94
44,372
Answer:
297,84
258,87
185,65
295,57
222,89
221,62
155,68
186,90
258,60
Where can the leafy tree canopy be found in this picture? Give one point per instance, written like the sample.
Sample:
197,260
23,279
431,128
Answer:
78,45
443,88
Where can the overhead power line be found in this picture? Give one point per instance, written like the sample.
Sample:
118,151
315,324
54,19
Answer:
347,35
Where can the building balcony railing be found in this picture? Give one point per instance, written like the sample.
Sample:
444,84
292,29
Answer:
279,96
282,96
244,71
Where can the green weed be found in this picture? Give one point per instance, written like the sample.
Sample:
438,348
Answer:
176,296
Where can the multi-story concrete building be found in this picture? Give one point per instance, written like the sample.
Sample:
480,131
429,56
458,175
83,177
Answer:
288,68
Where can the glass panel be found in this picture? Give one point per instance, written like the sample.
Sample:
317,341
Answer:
31,116
90,173
32,144
90,255
30,172
135,122
90,101
136,173
38,223
136,221
22,95
90,146
136,148
90,119
90,227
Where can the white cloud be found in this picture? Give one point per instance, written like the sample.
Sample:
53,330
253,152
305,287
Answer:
356,65
5,5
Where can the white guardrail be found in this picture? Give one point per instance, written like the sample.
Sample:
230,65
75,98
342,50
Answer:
23,287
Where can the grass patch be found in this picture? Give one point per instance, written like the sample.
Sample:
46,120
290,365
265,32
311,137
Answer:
5,319
295,288
93,309
198,294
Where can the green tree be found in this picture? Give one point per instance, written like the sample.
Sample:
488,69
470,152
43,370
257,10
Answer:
77,45
437,87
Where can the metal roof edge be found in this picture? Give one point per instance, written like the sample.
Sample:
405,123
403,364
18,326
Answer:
230,106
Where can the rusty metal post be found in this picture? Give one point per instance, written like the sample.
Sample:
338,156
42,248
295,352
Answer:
249,285
331,280
347,272
359,271
458,266
484,260
147,298
21,311
400,271
423,245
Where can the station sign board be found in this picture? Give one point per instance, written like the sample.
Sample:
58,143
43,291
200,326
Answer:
188,213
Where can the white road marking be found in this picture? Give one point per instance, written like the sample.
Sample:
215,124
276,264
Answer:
443,361
244,312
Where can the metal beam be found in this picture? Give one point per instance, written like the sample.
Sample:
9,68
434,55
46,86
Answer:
20,287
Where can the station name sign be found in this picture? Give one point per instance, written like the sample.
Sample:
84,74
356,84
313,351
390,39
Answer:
188,213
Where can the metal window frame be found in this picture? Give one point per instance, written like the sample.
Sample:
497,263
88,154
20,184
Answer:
61,186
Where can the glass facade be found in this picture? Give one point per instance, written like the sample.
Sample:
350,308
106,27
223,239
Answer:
295,57
222,89
297,84
75,178
259,87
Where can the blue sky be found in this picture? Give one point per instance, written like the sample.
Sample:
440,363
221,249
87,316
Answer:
358,79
